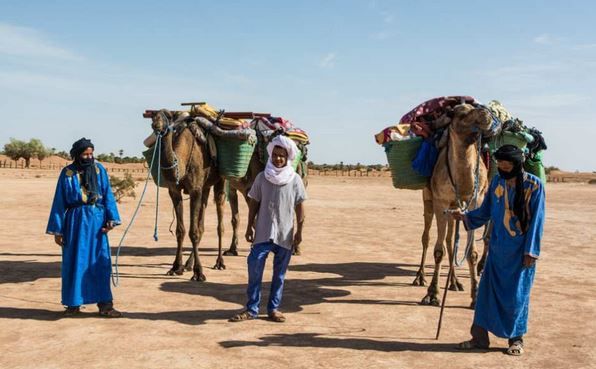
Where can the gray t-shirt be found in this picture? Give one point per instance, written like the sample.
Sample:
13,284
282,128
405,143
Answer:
275,218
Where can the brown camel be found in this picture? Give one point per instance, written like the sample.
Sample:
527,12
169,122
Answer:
243,185
458,173
187,166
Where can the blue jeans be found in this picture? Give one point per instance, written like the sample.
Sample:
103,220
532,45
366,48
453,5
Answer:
256,264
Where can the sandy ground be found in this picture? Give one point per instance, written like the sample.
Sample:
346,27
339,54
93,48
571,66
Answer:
349,299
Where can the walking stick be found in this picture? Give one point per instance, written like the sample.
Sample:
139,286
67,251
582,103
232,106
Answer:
451,267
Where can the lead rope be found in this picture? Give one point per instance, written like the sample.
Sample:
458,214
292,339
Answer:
115,271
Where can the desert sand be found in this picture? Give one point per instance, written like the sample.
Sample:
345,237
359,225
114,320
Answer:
348,299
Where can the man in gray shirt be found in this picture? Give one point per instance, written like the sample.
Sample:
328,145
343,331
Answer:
276,195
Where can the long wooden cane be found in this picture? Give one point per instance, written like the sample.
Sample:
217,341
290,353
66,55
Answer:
451,267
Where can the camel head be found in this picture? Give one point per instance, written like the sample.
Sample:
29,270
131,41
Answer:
470,122
161,121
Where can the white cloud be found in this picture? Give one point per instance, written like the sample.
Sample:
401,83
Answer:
328,61
546,39
28,42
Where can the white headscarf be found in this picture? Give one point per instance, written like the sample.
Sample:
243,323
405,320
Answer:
281,176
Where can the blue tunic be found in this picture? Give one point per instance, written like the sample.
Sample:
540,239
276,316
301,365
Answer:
86,263
504,289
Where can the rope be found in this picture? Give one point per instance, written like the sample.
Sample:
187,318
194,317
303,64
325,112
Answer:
115,272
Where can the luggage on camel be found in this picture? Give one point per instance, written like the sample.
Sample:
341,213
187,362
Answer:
234,140
268,127
412,145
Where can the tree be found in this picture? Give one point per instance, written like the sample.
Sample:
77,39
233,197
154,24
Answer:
14,149
35,148
42,154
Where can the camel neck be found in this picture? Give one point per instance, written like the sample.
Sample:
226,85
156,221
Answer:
462,161
168,155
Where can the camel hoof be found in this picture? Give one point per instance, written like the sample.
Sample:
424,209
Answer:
198,277
419,280
456,287
175,271
430,301
188,268
219,265
231,252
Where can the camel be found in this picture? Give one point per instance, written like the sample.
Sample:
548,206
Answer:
187,166
453,183
243,185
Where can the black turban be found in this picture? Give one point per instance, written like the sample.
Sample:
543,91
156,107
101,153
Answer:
510,153
79,146
87,168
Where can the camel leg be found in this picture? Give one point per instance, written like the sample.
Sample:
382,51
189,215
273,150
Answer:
196,230
420,279
220,201
233,199
472,264
487,232
454,284
190,262
432,294
176,196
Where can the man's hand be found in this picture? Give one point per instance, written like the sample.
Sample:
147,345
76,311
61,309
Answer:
59,240
457,214
250,234
297,239
108,227
529,261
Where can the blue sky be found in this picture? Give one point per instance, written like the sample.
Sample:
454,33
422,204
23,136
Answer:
342,70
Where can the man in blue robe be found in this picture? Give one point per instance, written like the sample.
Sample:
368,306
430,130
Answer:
83,212
515,204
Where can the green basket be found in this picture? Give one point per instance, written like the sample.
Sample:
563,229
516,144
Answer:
233,156
400,155
148,154
507,138
535,167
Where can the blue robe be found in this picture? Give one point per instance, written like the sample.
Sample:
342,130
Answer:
86,263
504,289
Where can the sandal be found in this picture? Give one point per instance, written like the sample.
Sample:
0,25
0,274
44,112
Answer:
470,345
110,313
277,316
71,311
240,317
516,348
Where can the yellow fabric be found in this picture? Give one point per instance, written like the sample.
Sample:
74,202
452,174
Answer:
205,110
402,128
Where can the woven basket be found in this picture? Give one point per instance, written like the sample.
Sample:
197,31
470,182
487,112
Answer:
400,155
233,156
148,154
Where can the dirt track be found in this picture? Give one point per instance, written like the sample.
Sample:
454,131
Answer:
349,299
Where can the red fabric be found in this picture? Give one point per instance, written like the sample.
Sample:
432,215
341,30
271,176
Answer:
433,105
